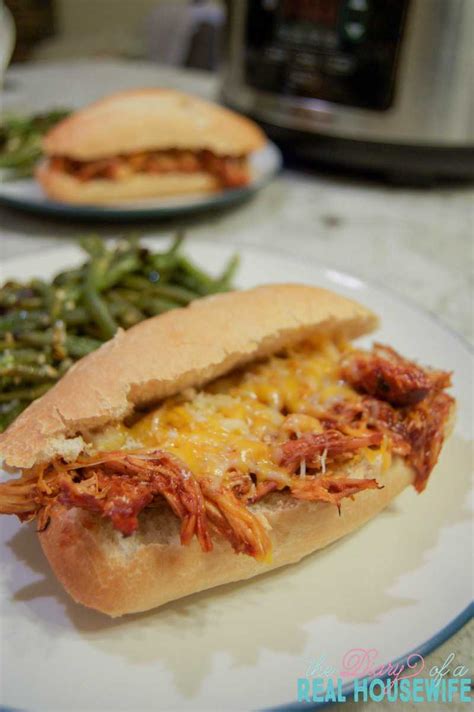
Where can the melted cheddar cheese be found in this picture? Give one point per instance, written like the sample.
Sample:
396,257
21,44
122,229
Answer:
232,425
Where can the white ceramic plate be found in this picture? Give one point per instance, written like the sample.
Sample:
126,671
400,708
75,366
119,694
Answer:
27,195
401,583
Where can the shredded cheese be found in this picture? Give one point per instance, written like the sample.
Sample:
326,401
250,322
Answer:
232,426
323,460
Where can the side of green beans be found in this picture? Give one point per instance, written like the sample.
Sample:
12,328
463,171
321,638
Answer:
20,141
46,326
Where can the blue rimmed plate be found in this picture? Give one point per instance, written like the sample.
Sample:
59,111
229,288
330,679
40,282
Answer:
27,195
401,583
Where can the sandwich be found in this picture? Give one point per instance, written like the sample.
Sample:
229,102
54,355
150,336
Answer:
219,441
147,143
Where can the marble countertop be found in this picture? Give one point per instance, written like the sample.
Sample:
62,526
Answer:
418,242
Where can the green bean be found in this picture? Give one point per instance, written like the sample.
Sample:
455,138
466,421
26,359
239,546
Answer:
28,394
76,346
194,278
30,373
175,292
8,343
95,305
23,156
11,292
135,281
93,245
66,278
79,346
23,356
13,284
163,264
45,290
75,317
154,306
181,295
229,272
64,366
177,243
130,295
123,267
129,243
22,303
167,261
34,338
22,320
126,313
72,294
58,340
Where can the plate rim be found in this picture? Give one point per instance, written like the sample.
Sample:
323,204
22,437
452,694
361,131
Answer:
465,615
436,640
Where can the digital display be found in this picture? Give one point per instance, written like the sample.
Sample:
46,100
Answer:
342,51
320,12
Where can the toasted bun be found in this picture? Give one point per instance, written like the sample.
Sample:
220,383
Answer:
151,119
163,355
101,569
65,188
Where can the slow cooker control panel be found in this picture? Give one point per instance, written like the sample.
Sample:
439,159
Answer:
342,51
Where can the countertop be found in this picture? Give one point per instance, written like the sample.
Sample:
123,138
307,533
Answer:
418,242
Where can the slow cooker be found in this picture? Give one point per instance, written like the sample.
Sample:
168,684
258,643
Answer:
385,85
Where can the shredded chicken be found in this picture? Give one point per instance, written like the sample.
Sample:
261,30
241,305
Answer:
119,485
310,447
231,171
330,489
386,375
415,433
395,404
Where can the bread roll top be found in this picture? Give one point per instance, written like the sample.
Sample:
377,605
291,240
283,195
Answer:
152,119
164,355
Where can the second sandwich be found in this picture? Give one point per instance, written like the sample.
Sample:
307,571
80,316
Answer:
147,143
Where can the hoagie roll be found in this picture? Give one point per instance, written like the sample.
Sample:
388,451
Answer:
147,143
219,441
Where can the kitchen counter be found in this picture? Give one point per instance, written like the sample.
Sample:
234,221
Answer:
417,242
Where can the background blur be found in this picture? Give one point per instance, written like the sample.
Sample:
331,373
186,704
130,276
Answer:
380,86
65,29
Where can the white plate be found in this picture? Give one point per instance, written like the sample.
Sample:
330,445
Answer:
27,195
401,583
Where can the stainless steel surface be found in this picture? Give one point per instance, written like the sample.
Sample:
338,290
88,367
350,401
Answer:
434,102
